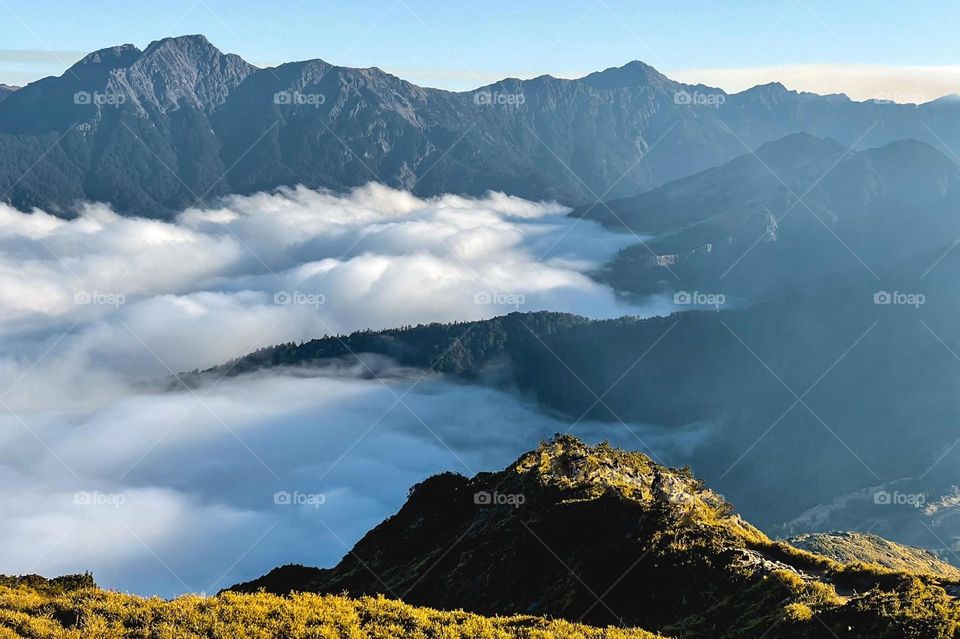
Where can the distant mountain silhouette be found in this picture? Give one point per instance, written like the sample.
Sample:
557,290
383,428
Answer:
800,209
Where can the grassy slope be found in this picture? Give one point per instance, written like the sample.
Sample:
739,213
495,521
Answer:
852,547
87,612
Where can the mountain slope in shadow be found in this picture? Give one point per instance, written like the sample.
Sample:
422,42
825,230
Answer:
797,210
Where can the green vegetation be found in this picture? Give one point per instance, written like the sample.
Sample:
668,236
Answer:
33,608
458,348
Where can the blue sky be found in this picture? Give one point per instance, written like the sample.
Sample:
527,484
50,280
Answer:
461,44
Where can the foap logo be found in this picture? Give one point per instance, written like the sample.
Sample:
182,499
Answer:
98,298
494,298
897,298
295,98
296,498
297,298
696,298
96,98
885,498
95,498
497,98
696,98
484,498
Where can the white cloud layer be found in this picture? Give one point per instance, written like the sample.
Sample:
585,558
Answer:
168,492
140,296
177,492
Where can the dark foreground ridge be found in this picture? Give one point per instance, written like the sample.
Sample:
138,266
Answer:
606,536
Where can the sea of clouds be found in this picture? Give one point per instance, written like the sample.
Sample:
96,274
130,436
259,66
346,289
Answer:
194,490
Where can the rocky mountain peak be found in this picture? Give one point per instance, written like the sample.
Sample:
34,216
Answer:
117,56
188,51
632,74
590,471
770,88
196,43
184,70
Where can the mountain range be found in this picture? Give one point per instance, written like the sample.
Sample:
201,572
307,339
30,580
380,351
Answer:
795,211
178,123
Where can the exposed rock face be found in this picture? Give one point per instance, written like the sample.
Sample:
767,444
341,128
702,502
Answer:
607,536
176,73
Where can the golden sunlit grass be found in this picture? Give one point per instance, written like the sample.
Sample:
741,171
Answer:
94,613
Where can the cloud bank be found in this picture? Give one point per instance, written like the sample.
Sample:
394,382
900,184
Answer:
164,494
194,490
141,297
